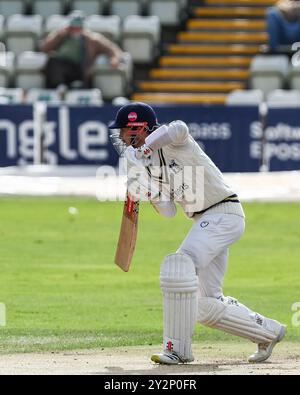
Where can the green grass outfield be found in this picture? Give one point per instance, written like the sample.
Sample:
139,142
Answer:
62,290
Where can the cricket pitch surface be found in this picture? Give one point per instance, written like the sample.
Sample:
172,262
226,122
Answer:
218,359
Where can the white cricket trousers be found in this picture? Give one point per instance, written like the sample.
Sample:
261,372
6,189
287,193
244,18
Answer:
208,245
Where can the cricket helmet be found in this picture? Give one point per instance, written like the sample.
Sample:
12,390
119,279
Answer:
135,114
139,117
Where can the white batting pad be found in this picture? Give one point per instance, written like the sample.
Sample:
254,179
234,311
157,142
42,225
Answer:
233,317
179,285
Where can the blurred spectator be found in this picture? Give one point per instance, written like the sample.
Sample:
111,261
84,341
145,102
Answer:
283,23
72,52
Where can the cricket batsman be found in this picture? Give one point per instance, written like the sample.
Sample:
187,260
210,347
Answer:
173,169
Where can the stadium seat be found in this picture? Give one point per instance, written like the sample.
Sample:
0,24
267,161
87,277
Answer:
90,7
7,60
269,72
283,98
11,7
112,82
125,8
23,32
141,37
54,23
245,97
46,95
29,71
11,96
48,7
294,76
168,11
109,26
91,97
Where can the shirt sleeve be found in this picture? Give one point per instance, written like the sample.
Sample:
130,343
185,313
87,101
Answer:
176,133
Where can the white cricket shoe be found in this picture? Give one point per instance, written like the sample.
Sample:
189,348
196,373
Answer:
265,349
168,358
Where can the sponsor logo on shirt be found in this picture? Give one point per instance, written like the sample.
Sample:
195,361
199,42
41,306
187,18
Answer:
174,167
178,193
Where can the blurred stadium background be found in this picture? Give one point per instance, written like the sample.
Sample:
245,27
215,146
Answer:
205,61
176,51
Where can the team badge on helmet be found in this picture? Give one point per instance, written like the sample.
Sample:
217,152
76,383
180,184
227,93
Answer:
132,117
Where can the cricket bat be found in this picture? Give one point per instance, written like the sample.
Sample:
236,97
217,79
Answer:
128,234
